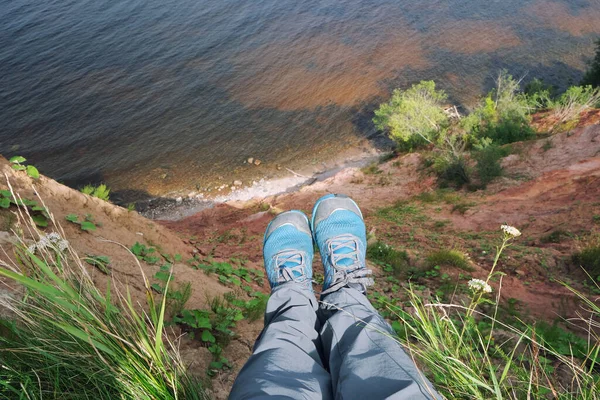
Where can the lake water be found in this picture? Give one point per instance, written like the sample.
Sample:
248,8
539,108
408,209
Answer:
161,95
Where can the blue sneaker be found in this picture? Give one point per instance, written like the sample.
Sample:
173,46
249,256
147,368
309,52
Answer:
288,250
339,231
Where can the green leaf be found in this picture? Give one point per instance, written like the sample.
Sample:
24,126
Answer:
178,257
4,202
18,167
88,226
72,218
5,193
208,337
156,287
40,220
137,248
163,276
17,160
33,172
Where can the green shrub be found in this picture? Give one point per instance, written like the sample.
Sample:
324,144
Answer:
413,116
589,260
446,257
539,95
488,163
102,191
503,116
592,76
452,170
574,101
386,255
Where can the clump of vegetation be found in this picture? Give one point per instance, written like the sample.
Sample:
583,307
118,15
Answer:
413,116
86,224
16,163
371,169
450,258
101,191
81,342
469,351
388,257
503,117
416,116
38,213
488,163
573,102
592,76
589,259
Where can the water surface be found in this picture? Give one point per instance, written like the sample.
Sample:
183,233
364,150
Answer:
157,96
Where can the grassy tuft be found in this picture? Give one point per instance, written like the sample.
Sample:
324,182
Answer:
446,257
387,256
64,338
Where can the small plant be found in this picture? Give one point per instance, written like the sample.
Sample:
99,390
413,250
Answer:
87,224
102,191
38,214
371,169
17,164
555,236
214,327
453,258
131,207
228,274
390,258
100,262
547,145
147,254
462,207
589,259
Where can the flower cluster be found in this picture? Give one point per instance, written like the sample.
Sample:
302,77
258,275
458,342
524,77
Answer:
478,285
51,240
510,231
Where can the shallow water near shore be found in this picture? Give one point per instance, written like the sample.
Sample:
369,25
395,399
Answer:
154,97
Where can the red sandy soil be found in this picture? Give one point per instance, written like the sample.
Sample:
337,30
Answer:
545,187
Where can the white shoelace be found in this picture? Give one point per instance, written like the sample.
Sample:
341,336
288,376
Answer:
353,273
287,273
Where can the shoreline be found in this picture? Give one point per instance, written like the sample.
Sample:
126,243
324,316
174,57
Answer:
178,206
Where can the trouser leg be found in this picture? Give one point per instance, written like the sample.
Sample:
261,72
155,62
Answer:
364,360
286,361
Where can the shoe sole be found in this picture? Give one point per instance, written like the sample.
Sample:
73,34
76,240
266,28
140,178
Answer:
285,212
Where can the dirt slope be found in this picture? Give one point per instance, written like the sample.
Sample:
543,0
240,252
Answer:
545,188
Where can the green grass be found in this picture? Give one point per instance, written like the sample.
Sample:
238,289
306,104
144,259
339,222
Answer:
69,340
589,259
385,255
450,258
470,349
402,212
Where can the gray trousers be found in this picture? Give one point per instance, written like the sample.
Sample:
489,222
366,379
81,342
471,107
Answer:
309,350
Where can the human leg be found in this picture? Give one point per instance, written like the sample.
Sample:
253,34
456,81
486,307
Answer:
364,359
286,361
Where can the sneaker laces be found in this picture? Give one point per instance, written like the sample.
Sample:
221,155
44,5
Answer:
348,265
291,267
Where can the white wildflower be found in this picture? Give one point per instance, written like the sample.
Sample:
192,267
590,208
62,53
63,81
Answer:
478,285
52,240
510,230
